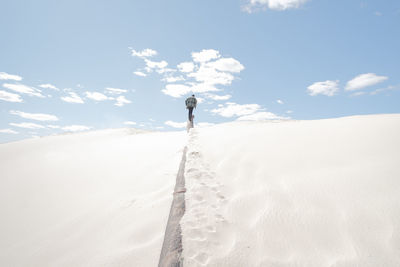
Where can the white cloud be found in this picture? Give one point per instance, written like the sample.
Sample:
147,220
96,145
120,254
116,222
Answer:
130,123
284,4
53,126
10,97
23,89
186,67
179,90
27,125
75,128
226,64
165,70
207,71
205,55
217,97
279,101
388,88
49,86
232,109
200,100
6,76
176,90
254,5
364,80
121,101
144,53
34,116
156,65
289,111
8,131
73,98
208,74
328,88
175,124
216,72
203,87
97,96
139,73
358,93
261,116
116,91
172,79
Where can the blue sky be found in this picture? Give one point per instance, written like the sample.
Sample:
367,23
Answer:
77,65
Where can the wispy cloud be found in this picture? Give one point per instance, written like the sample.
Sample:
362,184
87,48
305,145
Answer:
245,112
255,5
232,109
27,125
144,53
73,98
217,97
49,86
155,64
139,73
8,131
328,88
175,124
172,79
97,96
364,80
130,123
10,97
279,101
51,126
34,116
115,91
121,101
23,89
179,90
384,89
6,76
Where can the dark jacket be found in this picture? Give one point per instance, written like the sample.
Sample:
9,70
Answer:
191,102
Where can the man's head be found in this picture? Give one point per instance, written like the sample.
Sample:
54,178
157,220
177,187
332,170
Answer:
192,95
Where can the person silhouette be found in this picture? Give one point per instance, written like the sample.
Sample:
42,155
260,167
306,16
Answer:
191,103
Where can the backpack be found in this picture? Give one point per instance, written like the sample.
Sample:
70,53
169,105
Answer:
191,102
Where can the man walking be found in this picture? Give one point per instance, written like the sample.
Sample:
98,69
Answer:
191,102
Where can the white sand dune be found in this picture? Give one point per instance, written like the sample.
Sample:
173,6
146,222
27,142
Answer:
91,199
302,193
295,193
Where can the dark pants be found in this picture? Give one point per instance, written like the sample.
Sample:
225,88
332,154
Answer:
190,113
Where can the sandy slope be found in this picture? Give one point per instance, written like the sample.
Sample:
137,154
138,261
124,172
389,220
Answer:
301,193
91,199
297,193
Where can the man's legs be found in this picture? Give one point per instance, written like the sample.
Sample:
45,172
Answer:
190,114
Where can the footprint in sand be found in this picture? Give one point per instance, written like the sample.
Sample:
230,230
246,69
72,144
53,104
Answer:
201,258
198,197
